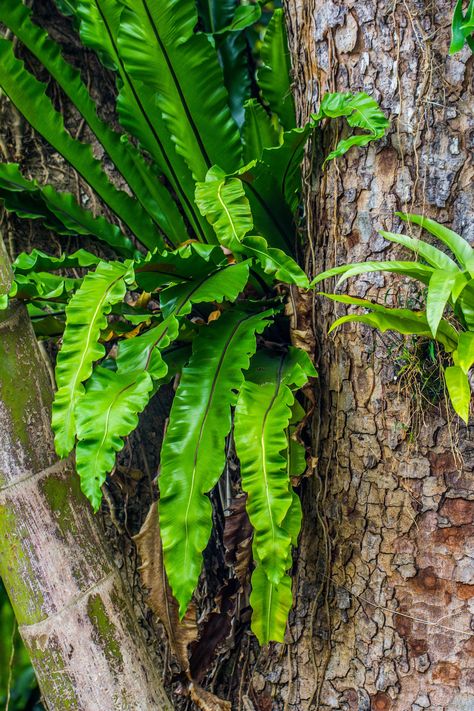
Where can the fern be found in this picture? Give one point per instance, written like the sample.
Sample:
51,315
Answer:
85,319
274,75
222,200
449,286
203,231
462,30
58,211
152,195
107,413
262,417
28,95
270,604
193,452
160,49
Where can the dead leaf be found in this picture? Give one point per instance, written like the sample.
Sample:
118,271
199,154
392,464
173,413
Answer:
186,242
134,332
299,308
207,701
213,634
214,315
143,300
160,599
238,533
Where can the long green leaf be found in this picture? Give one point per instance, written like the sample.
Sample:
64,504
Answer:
38,261
432,255
193,453
460,247
59,211
29,97
404,321
262,416
459,390
464,355
153,196
136,105
439,292
258,131
233,51
158,48
86,317
410,269
274,76
109,409
105,414
222,200
270,604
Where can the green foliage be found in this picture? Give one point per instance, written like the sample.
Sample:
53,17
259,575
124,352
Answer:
361,111
105,414
258,131
262,418
271,604
193,451
462,30
222,200
274,74
28,95
202,234
450,286
58,211
86,317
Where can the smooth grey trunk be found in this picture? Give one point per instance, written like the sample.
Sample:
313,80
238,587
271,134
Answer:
73,613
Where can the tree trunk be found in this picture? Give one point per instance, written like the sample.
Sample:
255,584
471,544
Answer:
385,575
73,614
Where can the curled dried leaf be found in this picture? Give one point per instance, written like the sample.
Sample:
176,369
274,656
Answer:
207,701
160,598
299,309
238,539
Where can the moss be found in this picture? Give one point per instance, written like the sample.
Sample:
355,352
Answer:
57,685
60,494
16,568
105,629
15,393
6,274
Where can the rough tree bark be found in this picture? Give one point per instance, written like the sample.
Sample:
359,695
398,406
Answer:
74,616
397,514
385,574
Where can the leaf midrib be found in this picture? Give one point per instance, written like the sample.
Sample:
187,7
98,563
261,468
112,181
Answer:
203,422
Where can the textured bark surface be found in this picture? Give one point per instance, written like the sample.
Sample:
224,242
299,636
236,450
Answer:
73,614
385,573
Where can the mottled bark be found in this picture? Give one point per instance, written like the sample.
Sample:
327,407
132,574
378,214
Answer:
74,616
385,574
